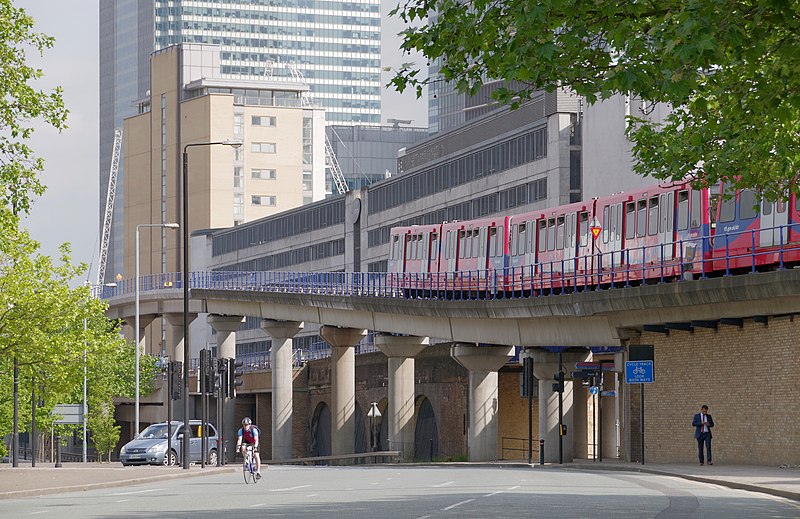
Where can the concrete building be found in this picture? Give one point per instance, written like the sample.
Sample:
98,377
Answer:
280,164
335,45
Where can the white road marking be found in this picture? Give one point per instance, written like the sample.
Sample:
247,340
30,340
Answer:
123,500
445,484
457,504
288,489
423,517
258,504
494,493
312,495
38,512
136,492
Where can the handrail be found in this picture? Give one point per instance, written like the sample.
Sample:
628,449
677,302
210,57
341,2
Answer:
599,270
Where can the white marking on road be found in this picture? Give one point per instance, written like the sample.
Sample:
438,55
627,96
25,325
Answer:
123,500
445,484
136,492
423,517
288,489
38,512
457,504
258,504
312,495
493,493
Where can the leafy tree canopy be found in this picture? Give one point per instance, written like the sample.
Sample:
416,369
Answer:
730,69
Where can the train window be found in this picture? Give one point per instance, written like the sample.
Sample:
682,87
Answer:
616,215
727,209
493,242
641,217
551,234
606,218
434,246
781,206
670,210
683,210
748,206
462,243
514,239
766,207
796,203
542,235
523,238
560,233
475,244
408,246
630,220
426,243
652,217
531,245
584,232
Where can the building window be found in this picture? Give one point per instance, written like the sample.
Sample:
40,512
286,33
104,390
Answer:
238,124
238,176
268,200
263,120
263,147
263,174
308,181
238,204
238,153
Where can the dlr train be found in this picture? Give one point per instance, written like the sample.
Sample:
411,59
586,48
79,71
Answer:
660,233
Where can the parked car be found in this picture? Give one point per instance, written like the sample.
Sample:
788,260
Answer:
150,447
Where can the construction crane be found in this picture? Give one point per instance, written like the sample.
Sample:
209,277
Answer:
330,157
109,213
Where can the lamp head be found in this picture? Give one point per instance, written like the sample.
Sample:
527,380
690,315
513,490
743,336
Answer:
233,143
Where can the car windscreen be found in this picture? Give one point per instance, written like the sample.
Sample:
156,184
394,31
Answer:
158,431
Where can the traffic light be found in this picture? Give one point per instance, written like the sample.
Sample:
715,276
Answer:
175,379
558,387
235,372
208,372
528,380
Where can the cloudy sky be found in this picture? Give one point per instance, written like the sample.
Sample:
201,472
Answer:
69,210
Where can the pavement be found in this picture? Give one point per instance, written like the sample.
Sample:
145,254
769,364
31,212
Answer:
26,481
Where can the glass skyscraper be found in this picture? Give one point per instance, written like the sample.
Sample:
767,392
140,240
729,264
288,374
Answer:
334,45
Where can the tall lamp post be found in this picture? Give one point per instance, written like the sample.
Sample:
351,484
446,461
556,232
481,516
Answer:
85,401
185,282
138,282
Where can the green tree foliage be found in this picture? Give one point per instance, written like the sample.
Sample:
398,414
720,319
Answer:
730,68
105,431
52,331
20,105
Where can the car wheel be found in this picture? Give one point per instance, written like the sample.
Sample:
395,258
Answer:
170,459
212,457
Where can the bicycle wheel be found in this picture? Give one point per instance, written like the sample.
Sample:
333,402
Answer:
247,472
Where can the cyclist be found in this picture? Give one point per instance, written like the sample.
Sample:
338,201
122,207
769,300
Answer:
248,435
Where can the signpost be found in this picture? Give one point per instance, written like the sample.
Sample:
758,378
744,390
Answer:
639,370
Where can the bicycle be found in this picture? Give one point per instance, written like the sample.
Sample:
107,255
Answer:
249,466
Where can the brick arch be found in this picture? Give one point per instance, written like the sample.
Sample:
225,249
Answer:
321,431
426,431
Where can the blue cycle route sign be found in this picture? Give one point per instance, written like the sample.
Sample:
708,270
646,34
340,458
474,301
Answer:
639,372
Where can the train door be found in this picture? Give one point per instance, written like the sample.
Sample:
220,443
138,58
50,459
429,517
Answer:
570,246
665,224
612,234
773,216
452,250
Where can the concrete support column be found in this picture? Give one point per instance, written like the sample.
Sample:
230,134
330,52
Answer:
400,413
482,363
545,365
343,386
282,392
226,326
144,322
176,322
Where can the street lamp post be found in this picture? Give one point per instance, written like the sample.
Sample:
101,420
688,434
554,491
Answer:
185,284
138,281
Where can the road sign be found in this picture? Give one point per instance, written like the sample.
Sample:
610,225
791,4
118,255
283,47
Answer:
639,372
609,393
70,413
595,228
594,390
587,365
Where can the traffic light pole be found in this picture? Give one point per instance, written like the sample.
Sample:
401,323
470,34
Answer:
560,409
170,374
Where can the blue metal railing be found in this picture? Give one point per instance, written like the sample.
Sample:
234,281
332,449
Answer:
598,271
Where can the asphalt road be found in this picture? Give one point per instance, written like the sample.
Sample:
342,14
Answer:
411,492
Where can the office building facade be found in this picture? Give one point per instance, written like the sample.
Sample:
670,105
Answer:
332,46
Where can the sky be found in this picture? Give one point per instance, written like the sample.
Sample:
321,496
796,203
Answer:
69,211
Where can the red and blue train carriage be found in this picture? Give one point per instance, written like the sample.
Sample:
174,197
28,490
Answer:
658,233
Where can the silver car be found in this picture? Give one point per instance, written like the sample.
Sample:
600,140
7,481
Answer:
150,447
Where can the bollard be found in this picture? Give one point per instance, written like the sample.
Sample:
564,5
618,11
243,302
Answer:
431,450
541,452
58,451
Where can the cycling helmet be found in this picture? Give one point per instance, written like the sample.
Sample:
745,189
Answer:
246,421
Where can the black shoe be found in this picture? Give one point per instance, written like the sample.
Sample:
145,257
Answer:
701,464
710,462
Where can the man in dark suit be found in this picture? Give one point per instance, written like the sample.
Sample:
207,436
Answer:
702,423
